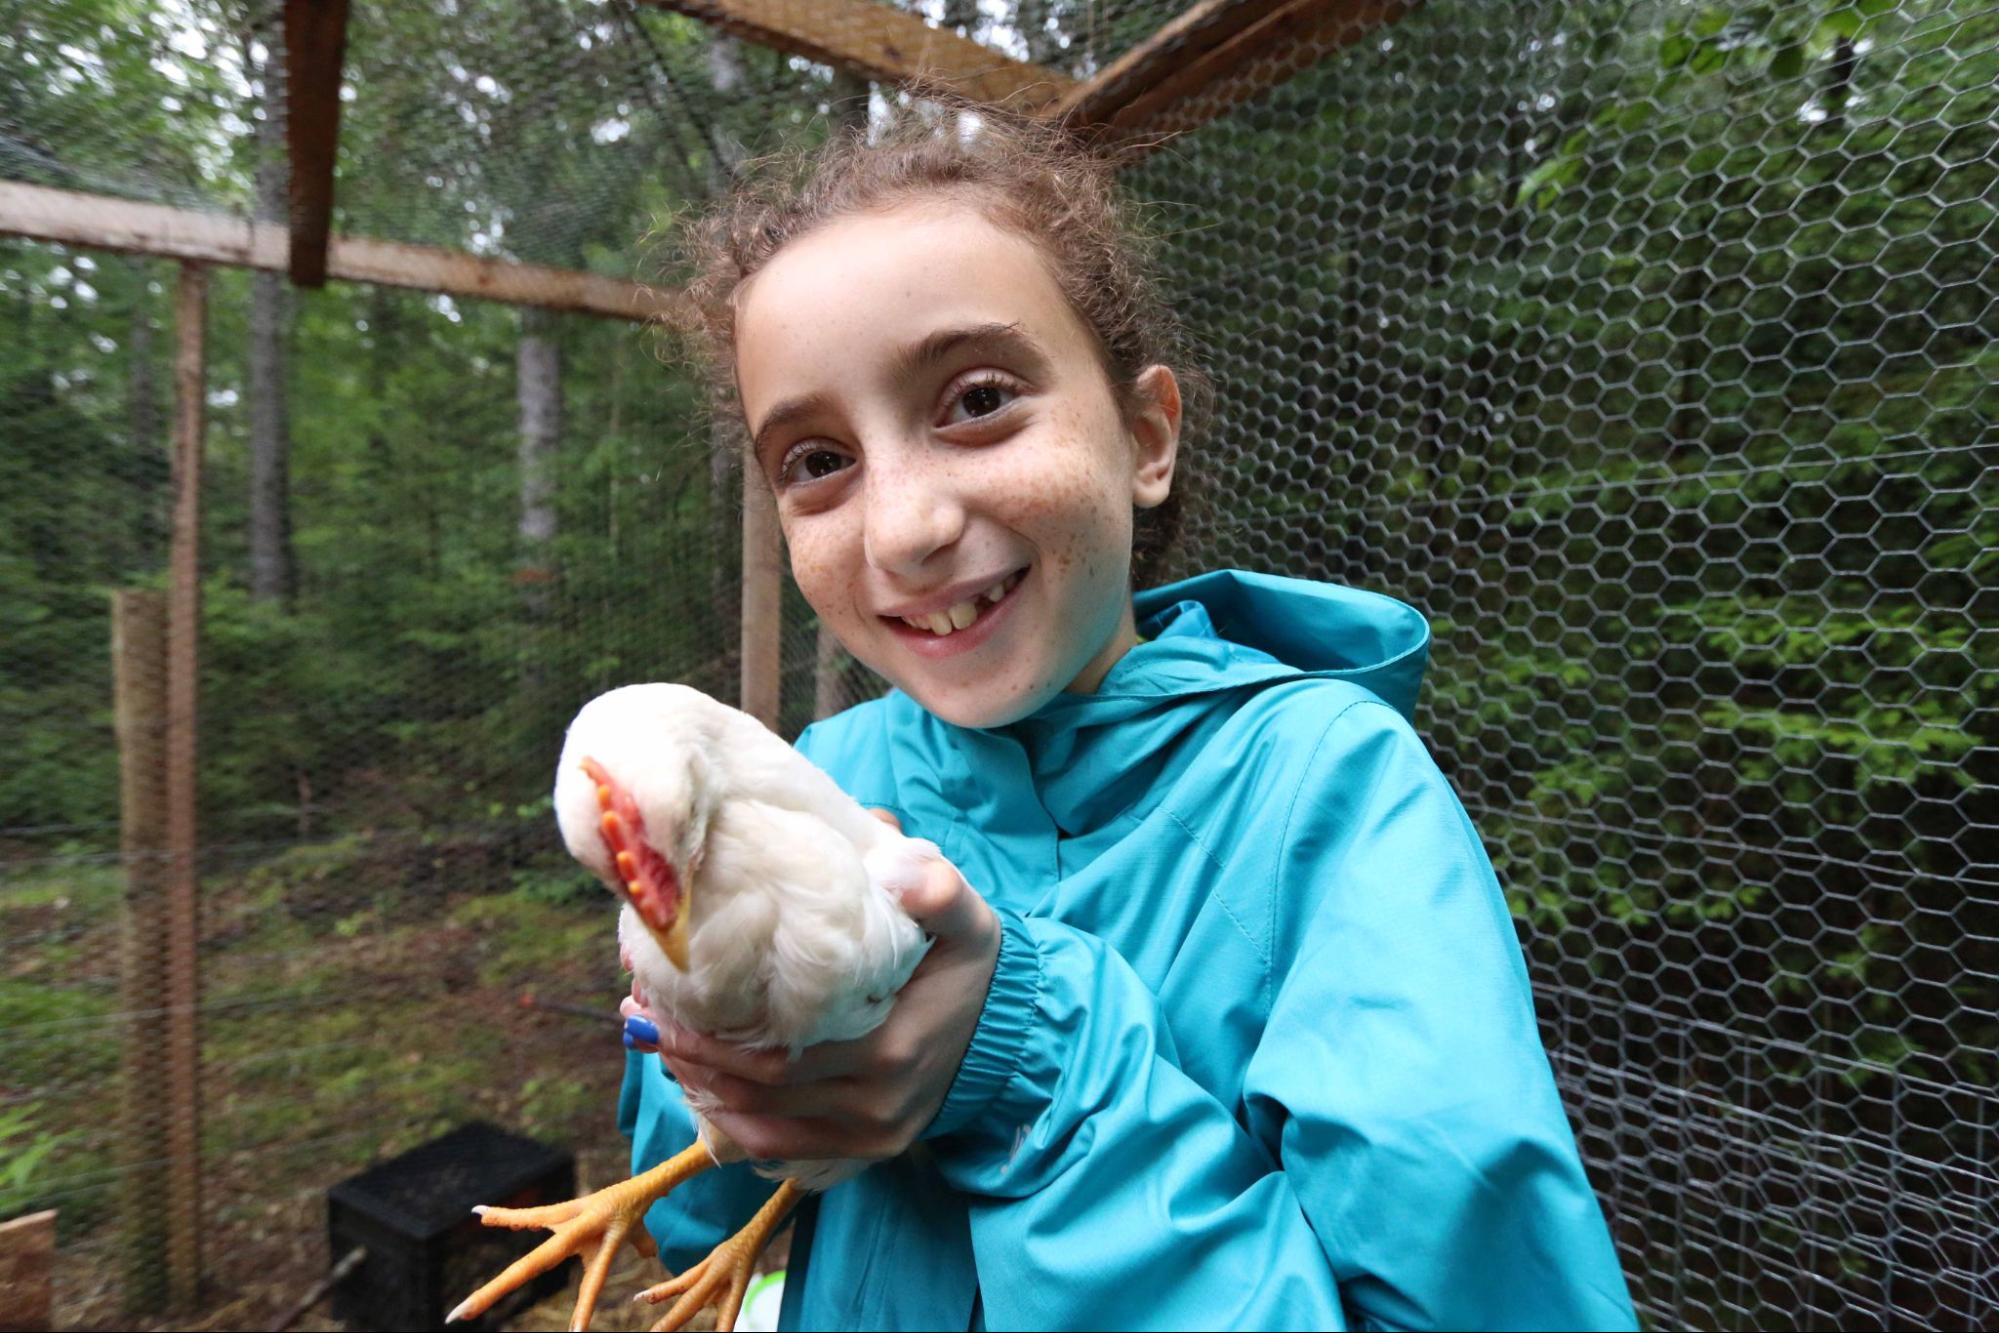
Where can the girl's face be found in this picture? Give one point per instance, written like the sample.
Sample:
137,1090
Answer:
948,455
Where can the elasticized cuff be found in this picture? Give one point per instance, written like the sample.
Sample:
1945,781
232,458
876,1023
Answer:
1004,1026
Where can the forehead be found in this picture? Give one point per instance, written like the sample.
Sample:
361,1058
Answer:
862,285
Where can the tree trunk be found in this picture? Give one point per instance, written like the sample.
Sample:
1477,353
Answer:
272,570
725,72
540,400
1845,60
725,492
829,689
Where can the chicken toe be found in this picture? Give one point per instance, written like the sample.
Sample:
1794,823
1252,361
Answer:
720,1280
607,1218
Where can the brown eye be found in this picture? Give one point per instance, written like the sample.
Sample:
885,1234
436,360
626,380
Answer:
822,463
981,400
806,464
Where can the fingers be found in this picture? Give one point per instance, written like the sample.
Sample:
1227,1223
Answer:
773,1069
790,1139
641,1032
686,1047
888,817
746,1098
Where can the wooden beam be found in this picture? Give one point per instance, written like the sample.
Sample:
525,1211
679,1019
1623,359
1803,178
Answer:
1206,63
1188,38
183,991
882,43
315,45
74,218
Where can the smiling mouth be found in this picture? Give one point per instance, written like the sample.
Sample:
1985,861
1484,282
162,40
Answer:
942,624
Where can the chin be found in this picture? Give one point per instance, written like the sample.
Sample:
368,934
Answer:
976,709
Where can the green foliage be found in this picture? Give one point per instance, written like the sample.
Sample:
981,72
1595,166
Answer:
526,932
26,1156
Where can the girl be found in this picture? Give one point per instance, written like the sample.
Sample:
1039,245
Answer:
1226,1025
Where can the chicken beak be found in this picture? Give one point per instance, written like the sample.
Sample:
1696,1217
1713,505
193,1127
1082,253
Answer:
674,942
662,898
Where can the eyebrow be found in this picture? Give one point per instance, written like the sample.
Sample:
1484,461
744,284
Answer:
909,362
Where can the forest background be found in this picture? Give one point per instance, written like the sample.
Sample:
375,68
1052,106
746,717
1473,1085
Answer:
1647,347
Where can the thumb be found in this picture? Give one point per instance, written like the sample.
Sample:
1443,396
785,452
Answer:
943,904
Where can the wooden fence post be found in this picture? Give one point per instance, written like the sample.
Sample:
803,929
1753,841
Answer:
762,599
183,898
27,1262
139,686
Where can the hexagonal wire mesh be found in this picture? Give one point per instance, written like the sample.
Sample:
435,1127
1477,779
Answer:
1647,347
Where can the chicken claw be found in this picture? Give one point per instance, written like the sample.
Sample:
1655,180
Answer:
725,1273
609,1217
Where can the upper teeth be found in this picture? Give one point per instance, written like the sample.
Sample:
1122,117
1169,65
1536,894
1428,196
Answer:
963,613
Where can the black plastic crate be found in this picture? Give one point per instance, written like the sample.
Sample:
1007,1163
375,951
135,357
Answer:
425,1250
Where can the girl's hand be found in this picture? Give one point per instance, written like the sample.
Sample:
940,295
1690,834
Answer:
867,1098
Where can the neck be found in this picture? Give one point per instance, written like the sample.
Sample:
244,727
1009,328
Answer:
1120,643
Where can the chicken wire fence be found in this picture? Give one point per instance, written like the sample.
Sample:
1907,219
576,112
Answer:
1646,347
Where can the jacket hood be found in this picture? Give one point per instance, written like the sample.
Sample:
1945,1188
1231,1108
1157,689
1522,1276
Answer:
1206,638
1281,628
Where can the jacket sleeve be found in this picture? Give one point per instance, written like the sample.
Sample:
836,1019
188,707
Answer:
1401,1159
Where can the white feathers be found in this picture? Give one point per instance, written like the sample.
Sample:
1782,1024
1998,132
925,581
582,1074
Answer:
794,939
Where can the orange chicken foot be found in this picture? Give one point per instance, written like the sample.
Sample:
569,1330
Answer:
609,1217
720,1280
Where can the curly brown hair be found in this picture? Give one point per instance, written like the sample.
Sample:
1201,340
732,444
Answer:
1026,174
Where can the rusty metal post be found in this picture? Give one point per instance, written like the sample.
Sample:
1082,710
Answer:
139,686
762,599
183,897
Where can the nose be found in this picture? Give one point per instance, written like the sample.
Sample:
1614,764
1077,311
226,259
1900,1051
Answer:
911,515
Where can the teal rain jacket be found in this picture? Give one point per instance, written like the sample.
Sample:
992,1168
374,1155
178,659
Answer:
1259,1050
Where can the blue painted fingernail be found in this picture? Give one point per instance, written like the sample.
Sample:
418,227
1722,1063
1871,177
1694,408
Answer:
629,1043
640,1030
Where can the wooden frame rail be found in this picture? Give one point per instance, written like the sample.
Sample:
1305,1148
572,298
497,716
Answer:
74,218
1216,56
1212,58
880,42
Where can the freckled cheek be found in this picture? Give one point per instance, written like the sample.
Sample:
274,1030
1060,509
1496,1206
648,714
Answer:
822,575
1070,513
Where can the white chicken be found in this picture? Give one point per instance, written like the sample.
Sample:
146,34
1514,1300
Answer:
754,911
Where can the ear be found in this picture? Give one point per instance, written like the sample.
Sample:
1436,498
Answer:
1155,431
